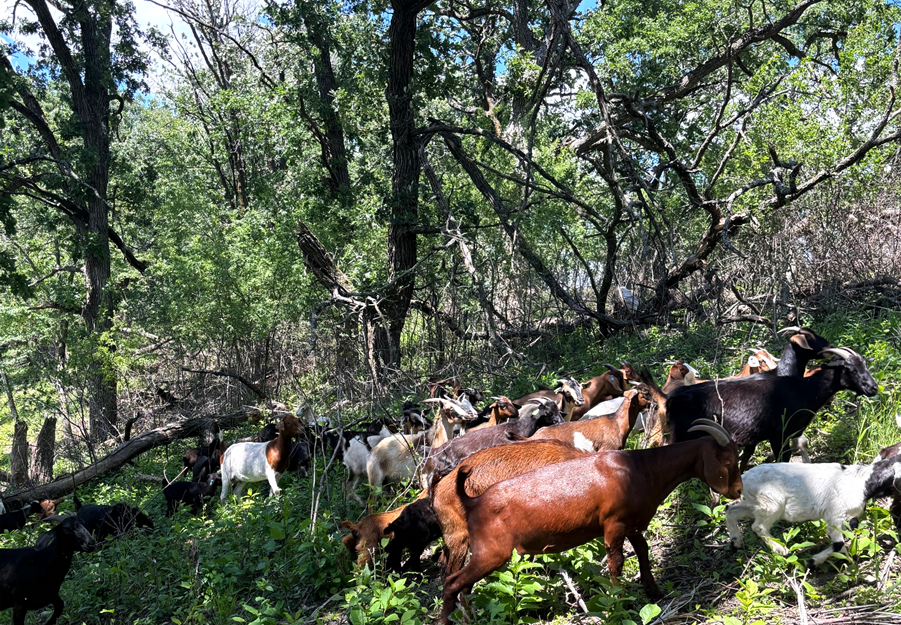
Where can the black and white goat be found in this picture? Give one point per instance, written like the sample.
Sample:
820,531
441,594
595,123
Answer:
798,492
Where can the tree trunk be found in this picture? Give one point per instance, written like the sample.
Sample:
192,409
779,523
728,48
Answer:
44,447
18,458
404,203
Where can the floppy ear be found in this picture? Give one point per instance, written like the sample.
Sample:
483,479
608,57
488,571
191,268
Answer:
348,525
801,341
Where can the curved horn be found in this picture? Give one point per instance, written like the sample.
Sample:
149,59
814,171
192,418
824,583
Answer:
432,400
714,429
789,329
841,352
611,367
55,517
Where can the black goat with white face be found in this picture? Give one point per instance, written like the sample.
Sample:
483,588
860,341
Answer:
767,407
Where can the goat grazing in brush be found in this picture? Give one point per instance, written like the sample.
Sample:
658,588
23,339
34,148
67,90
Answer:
245,463
195,494
798,492
603,433
768,407
613,494
31,577
365,537
413,530
116,520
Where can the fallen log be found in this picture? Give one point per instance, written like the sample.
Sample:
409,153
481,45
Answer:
128,450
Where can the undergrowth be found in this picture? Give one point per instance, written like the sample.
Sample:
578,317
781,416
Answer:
267,560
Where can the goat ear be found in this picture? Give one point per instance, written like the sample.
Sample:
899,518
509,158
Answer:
801,341
586,384
347,524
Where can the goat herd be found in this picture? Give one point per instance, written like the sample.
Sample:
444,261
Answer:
539,474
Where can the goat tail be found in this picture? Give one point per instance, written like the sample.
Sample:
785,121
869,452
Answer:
467,501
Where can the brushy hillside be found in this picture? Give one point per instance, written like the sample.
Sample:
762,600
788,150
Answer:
280,560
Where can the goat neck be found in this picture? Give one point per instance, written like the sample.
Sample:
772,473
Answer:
278,452
673,464
627,414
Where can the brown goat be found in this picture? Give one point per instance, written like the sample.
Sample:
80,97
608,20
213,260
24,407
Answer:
603,433
501,410
488,467
608,385
761,360
613,494
366,535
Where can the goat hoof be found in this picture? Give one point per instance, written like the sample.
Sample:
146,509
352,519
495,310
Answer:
811,565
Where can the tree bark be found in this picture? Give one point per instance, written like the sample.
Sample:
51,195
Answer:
404,204
44,448
18,458
136,446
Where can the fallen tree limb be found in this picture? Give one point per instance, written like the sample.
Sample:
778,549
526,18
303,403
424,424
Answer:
133,448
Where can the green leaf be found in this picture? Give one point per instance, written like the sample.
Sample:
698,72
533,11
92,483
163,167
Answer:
649,612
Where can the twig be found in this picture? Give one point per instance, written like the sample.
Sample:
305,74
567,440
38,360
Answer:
799,592
573,590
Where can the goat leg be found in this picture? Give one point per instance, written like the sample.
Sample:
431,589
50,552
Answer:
19,612
57,610
640,545
746,454
615,558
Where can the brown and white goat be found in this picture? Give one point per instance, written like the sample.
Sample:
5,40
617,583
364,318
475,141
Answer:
488,467
244,463
603,433
613,494
608,385
501,410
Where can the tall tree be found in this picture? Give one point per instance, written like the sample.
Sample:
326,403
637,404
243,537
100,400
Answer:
94,49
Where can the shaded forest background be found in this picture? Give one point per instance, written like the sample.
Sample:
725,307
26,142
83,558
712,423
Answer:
333,202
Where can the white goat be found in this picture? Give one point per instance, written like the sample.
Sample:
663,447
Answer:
356,455
806,492
255,462
396,457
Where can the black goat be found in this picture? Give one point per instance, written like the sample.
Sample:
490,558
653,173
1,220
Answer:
114,520
766,407
299,461
415,528
213,451
17,519
196,494
30,578
443,459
